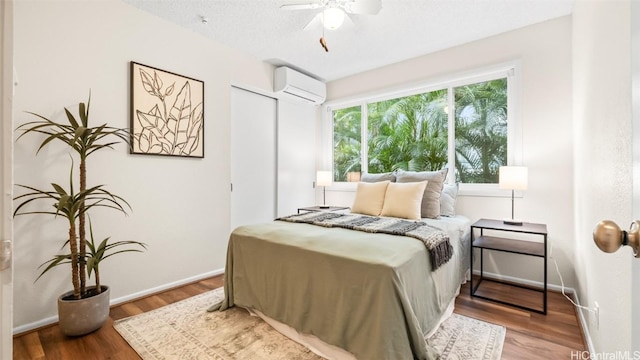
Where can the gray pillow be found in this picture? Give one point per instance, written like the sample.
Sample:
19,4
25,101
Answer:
366,177
431,198
448,200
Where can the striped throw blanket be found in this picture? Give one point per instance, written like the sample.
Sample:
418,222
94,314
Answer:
436,240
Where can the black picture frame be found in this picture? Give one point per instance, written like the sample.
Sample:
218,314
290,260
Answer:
167,113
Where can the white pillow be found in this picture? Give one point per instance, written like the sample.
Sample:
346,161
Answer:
370,198
404,200
448,200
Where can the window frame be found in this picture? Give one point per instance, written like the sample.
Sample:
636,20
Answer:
510,70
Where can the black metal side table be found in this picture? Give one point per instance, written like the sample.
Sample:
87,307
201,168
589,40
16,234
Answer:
530,248
323,208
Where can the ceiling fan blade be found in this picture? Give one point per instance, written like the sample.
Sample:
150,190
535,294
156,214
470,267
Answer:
301,5
367,7
347,24
314,23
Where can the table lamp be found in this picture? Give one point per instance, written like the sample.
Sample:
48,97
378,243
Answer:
324,179
513,178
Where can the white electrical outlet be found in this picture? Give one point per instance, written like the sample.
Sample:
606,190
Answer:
596,314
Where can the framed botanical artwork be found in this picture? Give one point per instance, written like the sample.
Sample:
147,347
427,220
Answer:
167,113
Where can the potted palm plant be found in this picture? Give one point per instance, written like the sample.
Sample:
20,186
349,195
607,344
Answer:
85,308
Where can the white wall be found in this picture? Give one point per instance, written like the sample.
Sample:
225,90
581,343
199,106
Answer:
544,52
603,177
180,206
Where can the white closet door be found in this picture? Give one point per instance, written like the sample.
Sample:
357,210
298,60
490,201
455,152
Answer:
296,156
253,158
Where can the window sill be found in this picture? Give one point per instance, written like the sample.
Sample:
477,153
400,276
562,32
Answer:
471,190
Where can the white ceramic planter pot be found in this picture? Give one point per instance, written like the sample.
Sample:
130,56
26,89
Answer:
80,317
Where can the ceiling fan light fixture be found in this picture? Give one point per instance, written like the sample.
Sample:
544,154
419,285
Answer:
332,18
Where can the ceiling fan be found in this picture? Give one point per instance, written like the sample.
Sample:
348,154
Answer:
334,11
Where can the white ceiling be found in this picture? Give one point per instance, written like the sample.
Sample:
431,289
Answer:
403,29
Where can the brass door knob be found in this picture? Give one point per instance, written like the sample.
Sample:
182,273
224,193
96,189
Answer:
609,237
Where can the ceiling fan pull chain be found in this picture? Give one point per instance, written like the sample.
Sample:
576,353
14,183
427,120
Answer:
323,41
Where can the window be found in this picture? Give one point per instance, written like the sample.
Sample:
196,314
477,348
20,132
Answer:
411,131
347,145
480,131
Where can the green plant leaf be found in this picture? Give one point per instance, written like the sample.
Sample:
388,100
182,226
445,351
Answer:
57,260
84,111
72,119
84,140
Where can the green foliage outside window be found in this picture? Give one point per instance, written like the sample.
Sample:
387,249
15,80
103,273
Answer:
481,131
411,133
346,142
408,133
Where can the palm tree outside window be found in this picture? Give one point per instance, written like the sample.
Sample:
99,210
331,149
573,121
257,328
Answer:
412,133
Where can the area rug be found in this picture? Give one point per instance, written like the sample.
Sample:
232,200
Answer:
185,330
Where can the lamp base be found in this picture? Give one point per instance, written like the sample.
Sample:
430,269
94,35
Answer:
324,206
512,222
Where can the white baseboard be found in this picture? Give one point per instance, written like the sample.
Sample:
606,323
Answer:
113,302
164,287
527,282
583,324
34,325
567,290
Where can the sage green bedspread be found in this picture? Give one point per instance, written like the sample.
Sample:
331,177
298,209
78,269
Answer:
373,295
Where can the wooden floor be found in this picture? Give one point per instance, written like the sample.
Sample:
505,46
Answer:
529,335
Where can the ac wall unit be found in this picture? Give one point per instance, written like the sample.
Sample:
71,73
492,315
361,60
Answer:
299,86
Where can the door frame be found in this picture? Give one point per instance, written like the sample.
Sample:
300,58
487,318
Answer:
635,121
6,180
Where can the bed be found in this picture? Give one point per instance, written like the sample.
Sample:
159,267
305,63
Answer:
346,293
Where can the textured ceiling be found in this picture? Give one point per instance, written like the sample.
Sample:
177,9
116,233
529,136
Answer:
403,29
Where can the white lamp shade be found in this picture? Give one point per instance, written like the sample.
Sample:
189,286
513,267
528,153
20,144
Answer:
324,178
333,18
513,177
